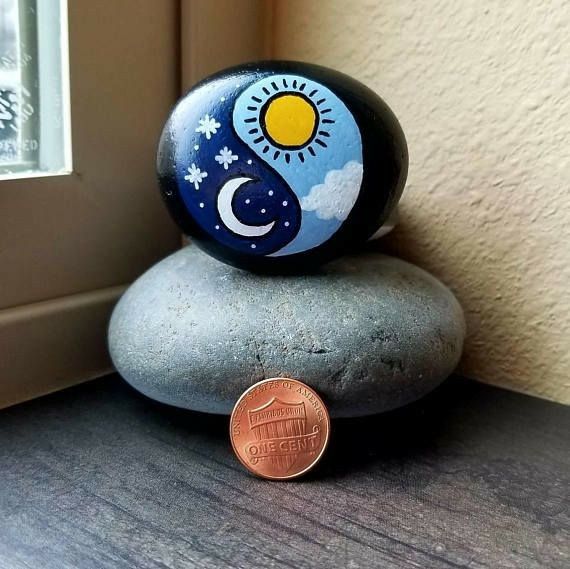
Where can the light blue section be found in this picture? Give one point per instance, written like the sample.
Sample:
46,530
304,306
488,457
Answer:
343,145
314,231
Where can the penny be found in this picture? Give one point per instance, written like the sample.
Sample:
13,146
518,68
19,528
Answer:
279,428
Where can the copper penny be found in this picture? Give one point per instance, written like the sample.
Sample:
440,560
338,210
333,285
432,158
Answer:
279,428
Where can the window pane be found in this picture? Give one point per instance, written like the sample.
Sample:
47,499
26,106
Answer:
34,92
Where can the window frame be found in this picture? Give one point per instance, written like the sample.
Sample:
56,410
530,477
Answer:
72,243
68,263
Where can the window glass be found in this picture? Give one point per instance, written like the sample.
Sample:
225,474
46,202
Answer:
34,88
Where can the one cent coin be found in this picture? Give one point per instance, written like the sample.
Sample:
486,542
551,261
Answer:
279,428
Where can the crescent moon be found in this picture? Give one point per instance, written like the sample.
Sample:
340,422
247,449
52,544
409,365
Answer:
227,215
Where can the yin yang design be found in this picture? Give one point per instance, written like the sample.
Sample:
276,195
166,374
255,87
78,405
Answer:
304,132
274,168
280,165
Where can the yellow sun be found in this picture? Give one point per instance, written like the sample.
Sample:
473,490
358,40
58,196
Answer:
290,120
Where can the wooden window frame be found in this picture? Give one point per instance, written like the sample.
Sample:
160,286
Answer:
72,243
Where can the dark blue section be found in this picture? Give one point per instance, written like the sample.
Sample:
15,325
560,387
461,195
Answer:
258,202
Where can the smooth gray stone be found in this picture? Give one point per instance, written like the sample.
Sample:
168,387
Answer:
369,332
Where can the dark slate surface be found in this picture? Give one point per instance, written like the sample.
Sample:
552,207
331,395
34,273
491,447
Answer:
100,477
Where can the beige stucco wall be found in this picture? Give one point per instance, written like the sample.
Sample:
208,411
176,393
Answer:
482,89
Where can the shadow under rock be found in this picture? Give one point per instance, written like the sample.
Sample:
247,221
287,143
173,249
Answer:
462,420
441,422
408,434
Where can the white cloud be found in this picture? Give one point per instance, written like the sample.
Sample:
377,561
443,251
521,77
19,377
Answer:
337,196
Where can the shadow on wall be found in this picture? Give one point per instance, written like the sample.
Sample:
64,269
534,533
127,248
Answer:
494,306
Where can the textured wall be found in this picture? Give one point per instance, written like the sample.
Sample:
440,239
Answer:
482,92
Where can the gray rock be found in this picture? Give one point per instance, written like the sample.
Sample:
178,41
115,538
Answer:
369,332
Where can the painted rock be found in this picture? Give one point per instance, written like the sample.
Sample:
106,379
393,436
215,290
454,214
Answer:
368,332
281,165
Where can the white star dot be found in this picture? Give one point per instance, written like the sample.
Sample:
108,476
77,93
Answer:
201,204
249,161
263,210
217,227
222,99
253,246
196,147
286,224
247,200
285,203
270,193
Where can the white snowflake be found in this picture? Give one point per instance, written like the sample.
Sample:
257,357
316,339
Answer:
195,176
226,157
208,126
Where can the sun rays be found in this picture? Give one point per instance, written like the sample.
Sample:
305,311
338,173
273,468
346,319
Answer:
287,120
